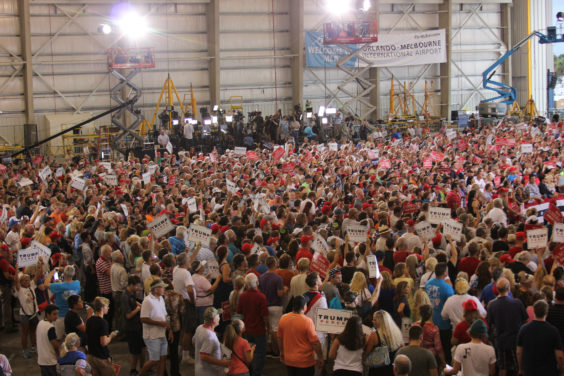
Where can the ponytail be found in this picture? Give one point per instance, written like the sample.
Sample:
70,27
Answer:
232,331
71,341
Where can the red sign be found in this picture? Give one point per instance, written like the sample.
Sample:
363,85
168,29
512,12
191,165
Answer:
308,157
501,142
477,160
385,163
350,32
462,145
3,169
409,208
278,153
288,167
427,163
558,254
37,160
510,142
252,156
437,157
171,180
319,264
553,215
497,181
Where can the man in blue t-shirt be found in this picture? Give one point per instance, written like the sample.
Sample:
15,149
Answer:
62,290
177,243
439,291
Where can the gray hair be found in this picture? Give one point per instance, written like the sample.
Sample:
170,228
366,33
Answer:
69,271
181,259
402,364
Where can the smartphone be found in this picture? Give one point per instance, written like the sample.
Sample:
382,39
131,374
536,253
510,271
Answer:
56,276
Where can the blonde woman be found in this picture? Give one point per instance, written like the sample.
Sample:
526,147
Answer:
420,298
385,333
72,362
238,287
360,288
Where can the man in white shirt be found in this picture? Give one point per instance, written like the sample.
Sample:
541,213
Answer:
411,239
155,323
184,285
12,239
118,278
163,139
47,344
497,214
188,135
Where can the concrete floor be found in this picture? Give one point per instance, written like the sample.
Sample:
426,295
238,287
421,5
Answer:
11,347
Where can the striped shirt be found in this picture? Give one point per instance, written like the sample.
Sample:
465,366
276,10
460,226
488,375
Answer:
104,279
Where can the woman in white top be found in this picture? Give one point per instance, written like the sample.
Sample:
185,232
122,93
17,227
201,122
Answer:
347,349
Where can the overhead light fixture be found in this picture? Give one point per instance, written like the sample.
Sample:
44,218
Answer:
321,111
104,29
324,120
338,7
133,25
366,5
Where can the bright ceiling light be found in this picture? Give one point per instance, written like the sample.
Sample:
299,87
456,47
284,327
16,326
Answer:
133,25
104,29
338,7
366,5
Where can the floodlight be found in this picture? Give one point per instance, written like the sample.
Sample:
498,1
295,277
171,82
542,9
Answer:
324,120
338,6
366,5
309,115
133,25
560,16
214,119
331,111
321,111
174,121
104,29
229,118
188,120
207,122
215,108
194,122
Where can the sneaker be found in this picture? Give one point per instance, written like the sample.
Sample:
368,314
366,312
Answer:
188,360
26,354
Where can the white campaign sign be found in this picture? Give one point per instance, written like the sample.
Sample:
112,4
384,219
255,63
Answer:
161,226
192,206
256,249
43,251
373,269
59,172
106,165
146,178
331,321
319,244
111,180
333,146
240,150
125,211
425,230
78,183
438,215
25,182
526,148
558,233
43,174
537,238
453,228
169,148
357,233
199,234
400,49
28,257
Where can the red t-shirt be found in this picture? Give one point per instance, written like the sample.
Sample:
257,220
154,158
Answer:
514,250
468,265
240,347
461,332
252,305
400,256
304,252
254,272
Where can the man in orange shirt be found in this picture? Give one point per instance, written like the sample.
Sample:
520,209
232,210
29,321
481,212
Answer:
297,341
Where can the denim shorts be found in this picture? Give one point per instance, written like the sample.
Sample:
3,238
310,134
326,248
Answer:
156,348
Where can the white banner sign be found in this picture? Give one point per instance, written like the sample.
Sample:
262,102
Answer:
240,150
537,238
106,165
111,180
161,226
78,183
169,148
526,148
59,172
425,230
24,182
28,257
125,211
43,174
438,215
558,233
192,206
199,234
453,228
373,270
153,168
319,244
331,321
43,251
400,49
333,146
357,233
146,178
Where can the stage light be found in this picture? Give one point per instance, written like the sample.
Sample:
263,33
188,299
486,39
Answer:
194,122
104,29
324,120
188,120
338,7
366,5
560,16
215,108
174,121
331,111
214,119
133,25
321,111
207,122
309,115
229,118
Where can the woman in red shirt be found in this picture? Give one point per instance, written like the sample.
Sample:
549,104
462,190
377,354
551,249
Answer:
241,351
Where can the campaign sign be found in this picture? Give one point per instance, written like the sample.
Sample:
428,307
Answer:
199,234
438,215
231,186
553,215
78,183
319,244
111,180
252,156
526,148
558,254
385,163
357,233
331,321
240,150
44,174
373,270
161,226
425,230
192,206
278,153
452,228
288,167
28,257
409,208
537,238
427,163
146,178
437,157
43,251
558,233
319,264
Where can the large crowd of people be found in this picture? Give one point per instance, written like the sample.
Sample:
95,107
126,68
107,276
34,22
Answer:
286,233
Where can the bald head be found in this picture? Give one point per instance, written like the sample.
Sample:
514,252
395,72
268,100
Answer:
502,286
402,365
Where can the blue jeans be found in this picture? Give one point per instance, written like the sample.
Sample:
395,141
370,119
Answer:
260,353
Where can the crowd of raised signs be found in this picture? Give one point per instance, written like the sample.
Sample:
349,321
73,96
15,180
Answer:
373,219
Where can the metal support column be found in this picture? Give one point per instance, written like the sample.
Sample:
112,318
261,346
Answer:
445,22
297,48
506,26
30,127
374,77
214,64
